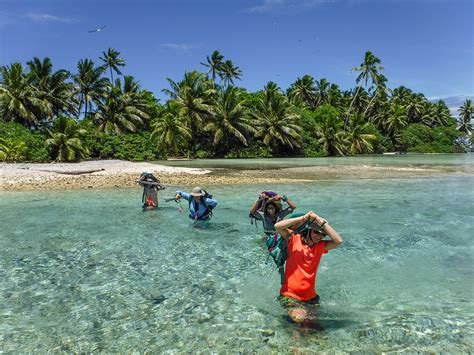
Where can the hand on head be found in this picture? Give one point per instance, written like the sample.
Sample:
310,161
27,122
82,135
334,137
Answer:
313,217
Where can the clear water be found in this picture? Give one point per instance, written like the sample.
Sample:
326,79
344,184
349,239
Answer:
88,271
372,160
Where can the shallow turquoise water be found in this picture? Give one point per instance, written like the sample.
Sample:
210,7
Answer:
373,160
89,271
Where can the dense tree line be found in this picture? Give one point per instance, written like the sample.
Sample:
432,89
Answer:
58,115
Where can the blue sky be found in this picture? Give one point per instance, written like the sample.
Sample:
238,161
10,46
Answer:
426,45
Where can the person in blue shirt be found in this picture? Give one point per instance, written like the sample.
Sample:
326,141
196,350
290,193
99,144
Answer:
201,203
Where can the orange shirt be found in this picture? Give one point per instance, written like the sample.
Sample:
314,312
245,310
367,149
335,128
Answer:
301,267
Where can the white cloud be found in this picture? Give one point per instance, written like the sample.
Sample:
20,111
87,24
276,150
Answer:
179,46
274,5
453,102
43,17
267,6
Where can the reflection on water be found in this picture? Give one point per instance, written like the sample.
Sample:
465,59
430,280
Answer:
88,271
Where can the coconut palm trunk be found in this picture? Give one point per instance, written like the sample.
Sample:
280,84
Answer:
346,120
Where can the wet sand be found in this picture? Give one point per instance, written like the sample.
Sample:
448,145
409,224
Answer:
118,173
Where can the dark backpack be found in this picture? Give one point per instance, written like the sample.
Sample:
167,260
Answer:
208,213
150,186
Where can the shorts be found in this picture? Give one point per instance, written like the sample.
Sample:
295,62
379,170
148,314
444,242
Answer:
290,302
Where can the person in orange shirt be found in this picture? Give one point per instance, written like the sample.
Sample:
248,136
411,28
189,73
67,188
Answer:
304,236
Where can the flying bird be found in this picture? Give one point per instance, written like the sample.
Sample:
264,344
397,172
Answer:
98,29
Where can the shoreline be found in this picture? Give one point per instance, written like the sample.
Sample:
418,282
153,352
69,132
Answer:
99,174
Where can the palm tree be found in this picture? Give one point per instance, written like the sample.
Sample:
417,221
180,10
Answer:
112,62
192,95
428,114
304,91
11,150
39,70
53,86
331,134
170,129
20,101
214,64
334,96
359,136
414,107
270,91
402,94
381,91
369,70
228,72
120,112
442,114
323,88
65,141
90,85
275,121
360,102
466,115
436,114
130,86
228,118
396,120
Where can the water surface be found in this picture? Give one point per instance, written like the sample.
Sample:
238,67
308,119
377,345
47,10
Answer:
84,271
371,160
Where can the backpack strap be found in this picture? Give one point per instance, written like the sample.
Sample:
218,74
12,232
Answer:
208,213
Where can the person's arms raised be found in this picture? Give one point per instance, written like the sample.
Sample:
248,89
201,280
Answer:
336,239
283,227
253,209
290,203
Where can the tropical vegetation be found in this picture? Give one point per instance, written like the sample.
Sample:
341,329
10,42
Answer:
100,113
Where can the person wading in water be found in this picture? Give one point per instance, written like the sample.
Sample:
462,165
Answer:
201,203
304,236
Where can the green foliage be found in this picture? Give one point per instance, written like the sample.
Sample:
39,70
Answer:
330,130
419,138
254,152
416,134
203,154
207,120
34,141
11,150
381,144
135,147
65,140
311,147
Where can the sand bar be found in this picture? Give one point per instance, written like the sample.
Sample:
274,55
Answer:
119,173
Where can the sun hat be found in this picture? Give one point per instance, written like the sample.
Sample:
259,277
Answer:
197,191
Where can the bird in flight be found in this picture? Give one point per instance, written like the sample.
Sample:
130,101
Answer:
98,29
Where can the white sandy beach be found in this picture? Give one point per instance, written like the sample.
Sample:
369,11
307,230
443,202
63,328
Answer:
86,174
